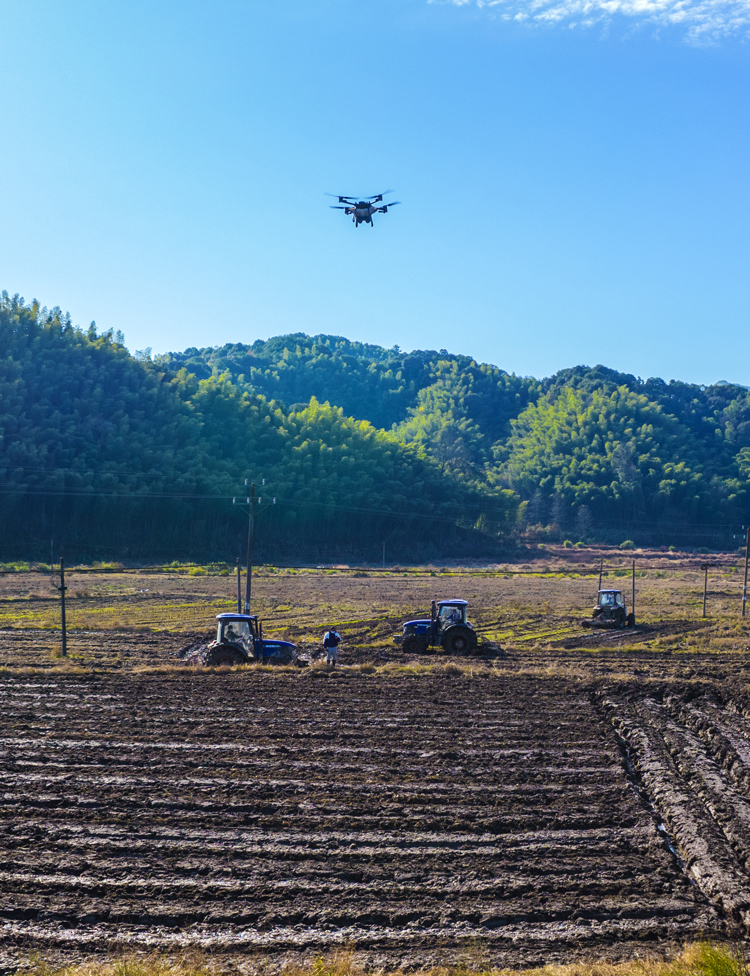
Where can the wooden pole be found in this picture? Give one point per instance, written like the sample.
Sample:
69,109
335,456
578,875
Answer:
705,586
601,570
632,608
250,529
63,588
747,553
239,587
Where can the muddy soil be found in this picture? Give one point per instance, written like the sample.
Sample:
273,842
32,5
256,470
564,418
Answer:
595,653
501,817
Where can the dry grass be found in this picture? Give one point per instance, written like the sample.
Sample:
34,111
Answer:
542,610
700,959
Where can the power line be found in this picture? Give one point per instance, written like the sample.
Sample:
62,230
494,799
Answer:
615,523
674,523
114,495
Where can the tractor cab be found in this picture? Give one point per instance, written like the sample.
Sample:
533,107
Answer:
610,598
238,630
450,612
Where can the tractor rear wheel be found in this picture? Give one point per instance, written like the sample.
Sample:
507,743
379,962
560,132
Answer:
459,640
224,657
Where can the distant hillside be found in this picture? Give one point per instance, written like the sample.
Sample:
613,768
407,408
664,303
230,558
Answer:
367,382
591,453
433,453
114,455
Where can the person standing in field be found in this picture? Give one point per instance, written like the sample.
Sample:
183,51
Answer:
331,643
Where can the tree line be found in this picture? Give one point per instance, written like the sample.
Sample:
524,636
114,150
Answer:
114,454
590,453
124,455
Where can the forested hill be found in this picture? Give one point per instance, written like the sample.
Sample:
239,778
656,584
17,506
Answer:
115,455
368,382
592,453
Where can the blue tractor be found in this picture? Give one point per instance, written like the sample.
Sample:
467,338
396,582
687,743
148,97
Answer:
611,611
446,627
239,640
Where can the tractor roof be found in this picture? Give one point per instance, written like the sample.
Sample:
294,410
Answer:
453,603
236,616
610,591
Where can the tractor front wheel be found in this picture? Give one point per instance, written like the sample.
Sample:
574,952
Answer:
410,644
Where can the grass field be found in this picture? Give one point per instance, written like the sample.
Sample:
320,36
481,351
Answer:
699,959
536,604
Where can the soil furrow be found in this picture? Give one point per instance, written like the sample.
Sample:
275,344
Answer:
413,817
704,847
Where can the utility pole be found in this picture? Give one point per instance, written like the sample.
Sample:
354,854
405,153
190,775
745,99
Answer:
252,512
239,587
747,553
601,570
705,567
62,587
249,563
632,608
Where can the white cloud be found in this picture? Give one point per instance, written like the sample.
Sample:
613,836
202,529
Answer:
699,21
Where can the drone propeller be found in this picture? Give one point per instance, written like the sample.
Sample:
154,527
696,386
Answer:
378,196
334,207
340,198
393,203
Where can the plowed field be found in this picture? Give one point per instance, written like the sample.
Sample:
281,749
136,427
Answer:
493,817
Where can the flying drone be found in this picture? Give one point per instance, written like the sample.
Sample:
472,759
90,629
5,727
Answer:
361,211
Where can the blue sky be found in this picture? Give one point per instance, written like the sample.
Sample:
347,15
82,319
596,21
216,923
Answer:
573,175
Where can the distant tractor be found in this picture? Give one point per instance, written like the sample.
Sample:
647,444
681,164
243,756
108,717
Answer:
239,640
446,627
610,610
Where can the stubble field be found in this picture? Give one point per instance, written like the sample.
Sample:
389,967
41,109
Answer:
585,795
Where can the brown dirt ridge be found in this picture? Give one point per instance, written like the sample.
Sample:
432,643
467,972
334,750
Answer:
513,818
